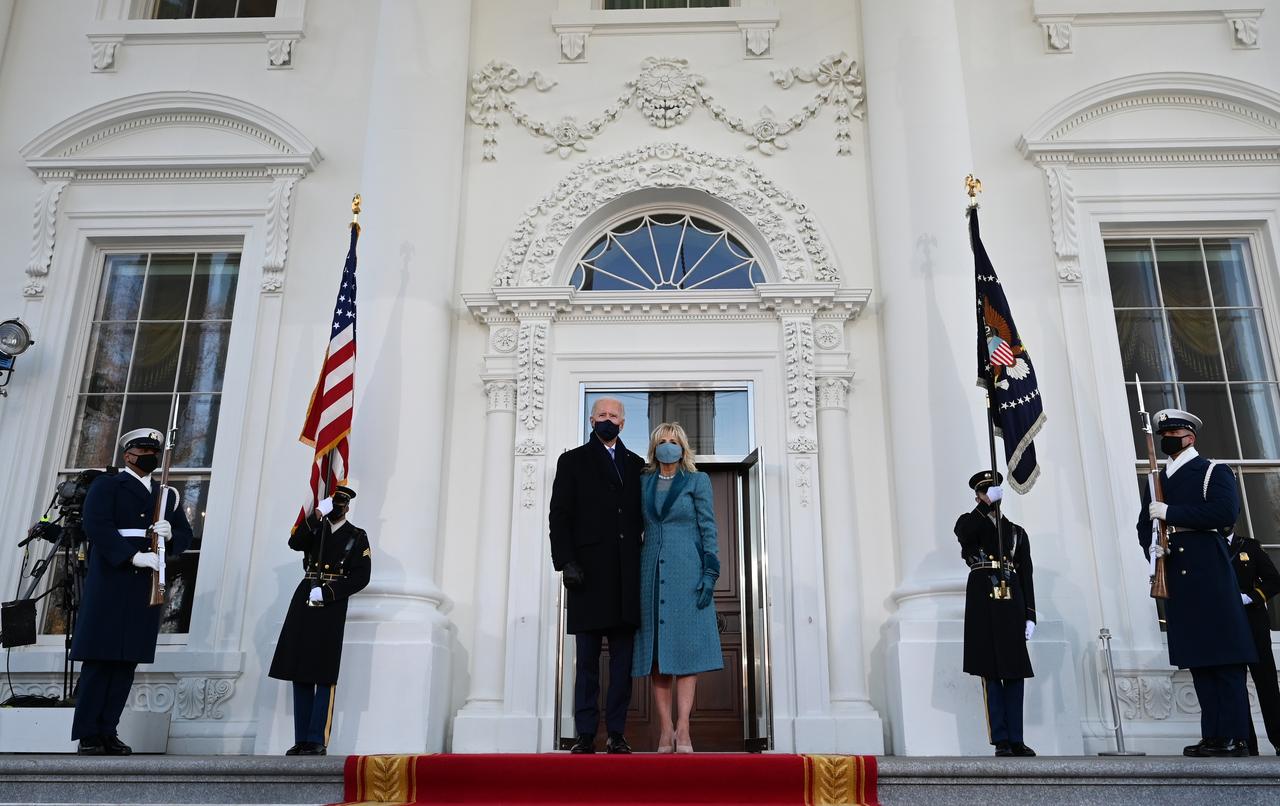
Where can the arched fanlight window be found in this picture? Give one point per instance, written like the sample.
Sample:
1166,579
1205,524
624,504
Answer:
666,251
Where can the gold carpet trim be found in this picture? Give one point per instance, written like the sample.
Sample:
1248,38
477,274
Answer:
834,780
387,779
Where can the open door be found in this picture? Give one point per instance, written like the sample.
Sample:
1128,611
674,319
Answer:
757,705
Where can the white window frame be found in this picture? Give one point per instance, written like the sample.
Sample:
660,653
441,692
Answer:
576,22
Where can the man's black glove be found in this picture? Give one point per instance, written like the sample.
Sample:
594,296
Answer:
572,576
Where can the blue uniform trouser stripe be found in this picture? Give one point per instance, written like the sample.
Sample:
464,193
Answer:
311,704
101,695
1224,701
1004,709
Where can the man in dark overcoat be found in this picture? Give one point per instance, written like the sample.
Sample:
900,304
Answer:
336,564
996,629
116,627
1205,620
596,524
1259,580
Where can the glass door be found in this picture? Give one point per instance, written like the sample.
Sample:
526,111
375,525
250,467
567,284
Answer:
757,705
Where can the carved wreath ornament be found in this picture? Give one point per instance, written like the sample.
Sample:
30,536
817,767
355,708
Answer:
667,93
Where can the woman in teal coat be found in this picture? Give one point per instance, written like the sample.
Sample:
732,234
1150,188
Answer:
679,565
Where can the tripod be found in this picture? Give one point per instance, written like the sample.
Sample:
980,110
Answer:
67,580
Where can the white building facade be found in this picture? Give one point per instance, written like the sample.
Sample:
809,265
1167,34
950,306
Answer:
190,181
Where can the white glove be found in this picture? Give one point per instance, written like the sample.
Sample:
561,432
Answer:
316,595
146,559
1246,599
995,493
163,529
1031,629
325,507
1158,550
1158,510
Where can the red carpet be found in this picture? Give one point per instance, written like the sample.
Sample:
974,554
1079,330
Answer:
643,778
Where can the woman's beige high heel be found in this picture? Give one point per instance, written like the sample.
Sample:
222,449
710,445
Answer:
670,746
684,748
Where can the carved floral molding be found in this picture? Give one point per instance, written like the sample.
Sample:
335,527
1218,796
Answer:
541,235
189,698
666,93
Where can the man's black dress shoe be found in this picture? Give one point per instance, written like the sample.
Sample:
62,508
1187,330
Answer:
91,746
1197,750
1004,749
1230,747
617,744
585,744
1020,749
312,749
115,747
296,750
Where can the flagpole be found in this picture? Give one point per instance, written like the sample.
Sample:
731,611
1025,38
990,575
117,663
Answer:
973,187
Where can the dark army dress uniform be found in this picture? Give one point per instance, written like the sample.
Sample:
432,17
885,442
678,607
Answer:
309,651
116,626
1205,621
995,645
1258,579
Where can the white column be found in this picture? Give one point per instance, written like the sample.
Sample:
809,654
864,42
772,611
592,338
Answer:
859,729
476,725
918,131
396,665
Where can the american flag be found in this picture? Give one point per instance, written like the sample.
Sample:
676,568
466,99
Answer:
328,423
1001,355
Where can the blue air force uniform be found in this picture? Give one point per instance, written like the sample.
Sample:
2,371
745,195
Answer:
116,627
1206,626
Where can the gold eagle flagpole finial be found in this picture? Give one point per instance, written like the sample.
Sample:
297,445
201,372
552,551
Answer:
972,186
355,211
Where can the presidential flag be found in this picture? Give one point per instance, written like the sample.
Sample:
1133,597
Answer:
328,425
1004,364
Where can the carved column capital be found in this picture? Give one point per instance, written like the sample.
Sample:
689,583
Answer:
833,392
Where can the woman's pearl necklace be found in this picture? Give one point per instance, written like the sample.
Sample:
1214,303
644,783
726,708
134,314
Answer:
662,475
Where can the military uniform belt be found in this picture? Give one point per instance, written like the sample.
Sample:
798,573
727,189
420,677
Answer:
132,532
992,565
317,576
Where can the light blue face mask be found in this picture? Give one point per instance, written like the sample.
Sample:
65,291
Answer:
668,453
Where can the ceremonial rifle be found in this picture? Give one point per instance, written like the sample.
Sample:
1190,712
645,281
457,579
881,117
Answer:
157,543
1159,584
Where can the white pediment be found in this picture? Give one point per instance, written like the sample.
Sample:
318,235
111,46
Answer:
1180,115
172,131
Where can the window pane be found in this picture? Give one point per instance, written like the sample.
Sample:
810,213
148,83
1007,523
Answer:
1182,276
1263,491
195,496
168,286
614,5
203,357
1143,345
122,287
95,430
197,427
1244,344
144,411
1217,439
256,8
155,359
1155,396
173,9
215,8
1195,345
179,593
1230,274
1133,274
213,294
667,251
110,347
1257,420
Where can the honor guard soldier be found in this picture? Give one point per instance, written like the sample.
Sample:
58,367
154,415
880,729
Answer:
999,611
1259,580
116,627
1205,620
336,563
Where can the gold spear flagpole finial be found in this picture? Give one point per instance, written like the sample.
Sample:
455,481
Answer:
355,211
973,186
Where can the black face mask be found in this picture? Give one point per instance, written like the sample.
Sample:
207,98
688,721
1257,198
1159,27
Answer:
607,430
1171,445
146,462
337,514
